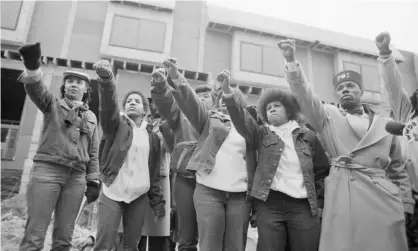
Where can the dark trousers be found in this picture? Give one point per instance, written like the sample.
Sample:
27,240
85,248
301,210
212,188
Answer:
283,218
222,218
186,213
110,214
52,188
156,243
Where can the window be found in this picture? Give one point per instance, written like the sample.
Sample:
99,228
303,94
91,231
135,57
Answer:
10,12
13,97
139,34
369,74
261,59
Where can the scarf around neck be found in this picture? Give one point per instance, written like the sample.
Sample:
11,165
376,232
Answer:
288,127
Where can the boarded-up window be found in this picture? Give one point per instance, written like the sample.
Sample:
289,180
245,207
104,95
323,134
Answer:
261,59
251,57
10,12
369,74
139,34
348,66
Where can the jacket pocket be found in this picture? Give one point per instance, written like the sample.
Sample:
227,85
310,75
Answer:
181,155
387,185
270,141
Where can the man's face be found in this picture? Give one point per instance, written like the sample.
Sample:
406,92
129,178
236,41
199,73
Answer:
206,98
134,106
75,88
349,94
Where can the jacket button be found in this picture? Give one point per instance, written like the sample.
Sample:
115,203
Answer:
270,180
264,196
352,155
281,149
274,163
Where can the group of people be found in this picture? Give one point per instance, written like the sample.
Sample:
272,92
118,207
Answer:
334,180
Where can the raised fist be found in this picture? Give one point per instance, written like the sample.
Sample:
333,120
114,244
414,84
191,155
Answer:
158,78
287,48
382,42
31,55
171,68
224,80
103,69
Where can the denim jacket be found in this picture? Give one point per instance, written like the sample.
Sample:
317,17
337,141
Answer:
180,126
213,126
117,140
66,140
312,157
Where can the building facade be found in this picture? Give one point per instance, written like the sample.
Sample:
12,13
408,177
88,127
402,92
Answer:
137,35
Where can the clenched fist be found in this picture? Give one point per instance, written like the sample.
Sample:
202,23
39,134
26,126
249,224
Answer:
288,49
31,55
382,42
103,69
171,68
224,80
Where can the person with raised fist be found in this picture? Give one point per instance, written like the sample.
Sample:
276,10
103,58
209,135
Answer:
67,156
185,135
405,109
368,191
130,165
219,161
288,183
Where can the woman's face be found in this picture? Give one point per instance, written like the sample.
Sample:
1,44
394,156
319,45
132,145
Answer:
276,113
75,88
134,106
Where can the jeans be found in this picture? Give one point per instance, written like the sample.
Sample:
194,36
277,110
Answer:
283,218
186,213
222,219
52,188
110,214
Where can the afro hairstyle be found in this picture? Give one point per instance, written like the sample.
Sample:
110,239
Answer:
144,100
276,94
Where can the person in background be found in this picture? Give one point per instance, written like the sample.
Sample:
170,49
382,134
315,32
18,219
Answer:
404,109
289,179
219,159
130,165
368,190
67,156
156,234
183,181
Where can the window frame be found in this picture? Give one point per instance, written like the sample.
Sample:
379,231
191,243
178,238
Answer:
262,60
362,77
137,48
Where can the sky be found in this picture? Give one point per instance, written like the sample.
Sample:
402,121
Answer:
358,18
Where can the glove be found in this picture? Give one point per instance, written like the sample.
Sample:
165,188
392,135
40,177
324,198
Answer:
31,54
159,210
103,69
92,192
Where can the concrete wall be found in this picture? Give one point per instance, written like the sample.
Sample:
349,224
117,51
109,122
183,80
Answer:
49,26
323,73
217,52
185,45
87,30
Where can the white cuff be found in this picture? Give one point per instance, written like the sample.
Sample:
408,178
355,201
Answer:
34,73
292,66
228,95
